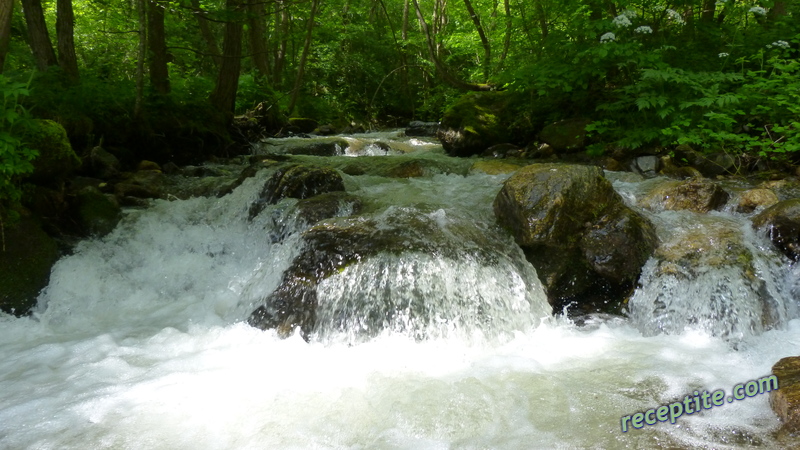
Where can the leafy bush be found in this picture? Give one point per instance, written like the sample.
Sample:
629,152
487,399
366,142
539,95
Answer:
15,156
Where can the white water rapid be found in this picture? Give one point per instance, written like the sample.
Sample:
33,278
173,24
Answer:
140,340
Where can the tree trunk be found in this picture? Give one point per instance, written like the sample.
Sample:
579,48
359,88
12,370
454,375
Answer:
282,31
301,68
404,33
224,95
157,42
65,36
440,67
487,47
39,39
507,38
6,12
257,33
709,9
141,9
207,34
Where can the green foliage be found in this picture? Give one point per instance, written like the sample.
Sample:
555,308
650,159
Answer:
15,155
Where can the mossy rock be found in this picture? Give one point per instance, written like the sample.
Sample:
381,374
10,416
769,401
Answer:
25,265
297,181
477,121
587,246
566,136
327,205
97,213
56,158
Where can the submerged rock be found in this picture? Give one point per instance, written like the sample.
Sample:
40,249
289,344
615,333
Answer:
587,246
297,181
698,195
782,225
785,401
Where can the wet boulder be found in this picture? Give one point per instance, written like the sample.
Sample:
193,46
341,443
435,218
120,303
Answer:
97,213
698,195
587,246
566,136
476,121
785,401
327,205
781,222
424,129
753,199
26,257
297,181
319,148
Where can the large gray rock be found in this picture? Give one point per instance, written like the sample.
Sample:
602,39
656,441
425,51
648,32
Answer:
587,246
781,222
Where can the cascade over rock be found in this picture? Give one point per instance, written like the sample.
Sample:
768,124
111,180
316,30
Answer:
782,224
399,241
704,275
587,246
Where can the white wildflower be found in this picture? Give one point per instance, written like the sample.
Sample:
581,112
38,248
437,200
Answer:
724,55
721,2
781,44
629,13
622,21
643,29
759,11
674,15
608,37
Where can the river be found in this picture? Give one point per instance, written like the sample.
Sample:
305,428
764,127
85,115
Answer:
140,341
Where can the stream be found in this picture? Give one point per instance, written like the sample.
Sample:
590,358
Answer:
140,341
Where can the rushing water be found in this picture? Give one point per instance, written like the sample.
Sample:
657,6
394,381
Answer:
139,342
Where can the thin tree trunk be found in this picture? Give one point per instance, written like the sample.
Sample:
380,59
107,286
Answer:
257,33
507,38
301,68
157,42
224,95
440,67
141,7
404,33
65,35
709,8
487,47
283,36
542,17
207,34
40,43
6,12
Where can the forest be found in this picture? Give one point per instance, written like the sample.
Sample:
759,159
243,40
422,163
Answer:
164,79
